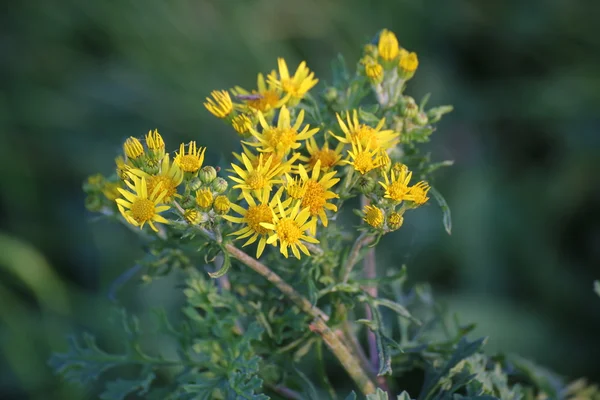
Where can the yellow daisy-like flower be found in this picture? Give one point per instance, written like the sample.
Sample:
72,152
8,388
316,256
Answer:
139,206
329,157
363,160
221,205
418,193
373,216
396,187
408,61
241,124
254,158
296,86
268,96
169,177
133,148
316,193
288,229
387,46
252,217
369,137
192,161
220,105
282,138
254,179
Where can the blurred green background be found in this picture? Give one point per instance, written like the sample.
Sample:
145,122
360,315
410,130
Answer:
524,77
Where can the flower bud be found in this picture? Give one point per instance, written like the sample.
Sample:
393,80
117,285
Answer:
409,107
395,220
421,119
155,144
330,94
408,64
241,124
207,174
93,203
204,198
150,166
221,205
366,185
93,183
192,216
134,150
195,184
188,201
370,50
219,185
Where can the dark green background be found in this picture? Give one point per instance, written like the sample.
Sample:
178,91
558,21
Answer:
524,77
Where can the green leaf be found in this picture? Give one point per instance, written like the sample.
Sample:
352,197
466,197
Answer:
309,388
383,349
398,308
447,217
436,113
339,70
119,389
424,101
224,268
597,287
378,395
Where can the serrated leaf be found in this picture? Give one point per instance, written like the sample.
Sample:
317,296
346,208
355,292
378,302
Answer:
119,389
447,217
378,395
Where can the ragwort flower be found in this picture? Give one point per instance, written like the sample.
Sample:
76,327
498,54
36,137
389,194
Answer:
329,157
369,137
363,160
268,96
139,206
192,161
220,105
373,216
396,187
168,178
254,179
298,85
387,46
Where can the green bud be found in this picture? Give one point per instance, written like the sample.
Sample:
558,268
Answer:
188,202
421,119
366,185
409,107
330,94
219,185
207,174
195,184
150,166
93,203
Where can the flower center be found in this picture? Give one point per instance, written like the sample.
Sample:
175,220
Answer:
165,183
374,216
290,87
267,100
257,214
397,190
256,180
142,210
327,157
314,198
363,163
288,231
281,139
189,163
366,135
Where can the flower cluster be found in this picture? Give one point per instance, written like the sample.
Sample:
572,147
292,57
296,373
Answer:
285,185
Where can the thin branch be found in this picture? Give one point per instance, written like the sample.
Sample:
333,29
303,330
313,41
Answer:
362,240
285,391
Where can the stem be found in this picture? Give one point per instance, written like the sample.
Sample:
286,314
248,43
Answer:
357,348
285,392
362,240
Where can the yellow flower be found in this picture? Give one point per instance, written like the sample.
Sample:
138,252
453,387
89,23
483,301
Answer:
369,137
395,220
418,193
156,144
204,198
256,178
288,227
241,124
316,193
221,205
373,70
139,206
192,161
192,216
373,216
110,190
122,167
266,98
220,105
168,178
133,148
252,217
277,159
298,85
363,160
408,61
396,187
329,157
388,45
282,138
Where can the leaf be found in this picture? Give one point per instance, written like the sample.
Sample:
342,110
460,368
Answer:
424,102
447,217
378,395
436,113
597,287
309,388
398,308
383,349
224,268
119,389
404,396
339,70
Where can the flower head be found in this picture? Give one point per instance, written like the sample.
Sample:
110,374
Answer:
315,193
252,217
418,193
268,96
369,137
192,161
204,198
373,216
278,159
288,227
282,138
363,160
220,105
133,148
329,158
155,144
168,178
373,70
241,123
408,61
297,85
395,220
255,178
221,205
140,206
388,45
396,187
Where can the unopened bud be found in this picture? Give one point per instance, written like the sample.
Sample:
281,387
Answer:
330,95
204,198
421,119
207,174
188,201
195,184
219,185
221,205
395,220
409,108
366,185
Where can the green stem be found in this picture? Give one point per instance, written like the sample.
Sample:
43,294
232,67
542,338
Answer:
362,240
